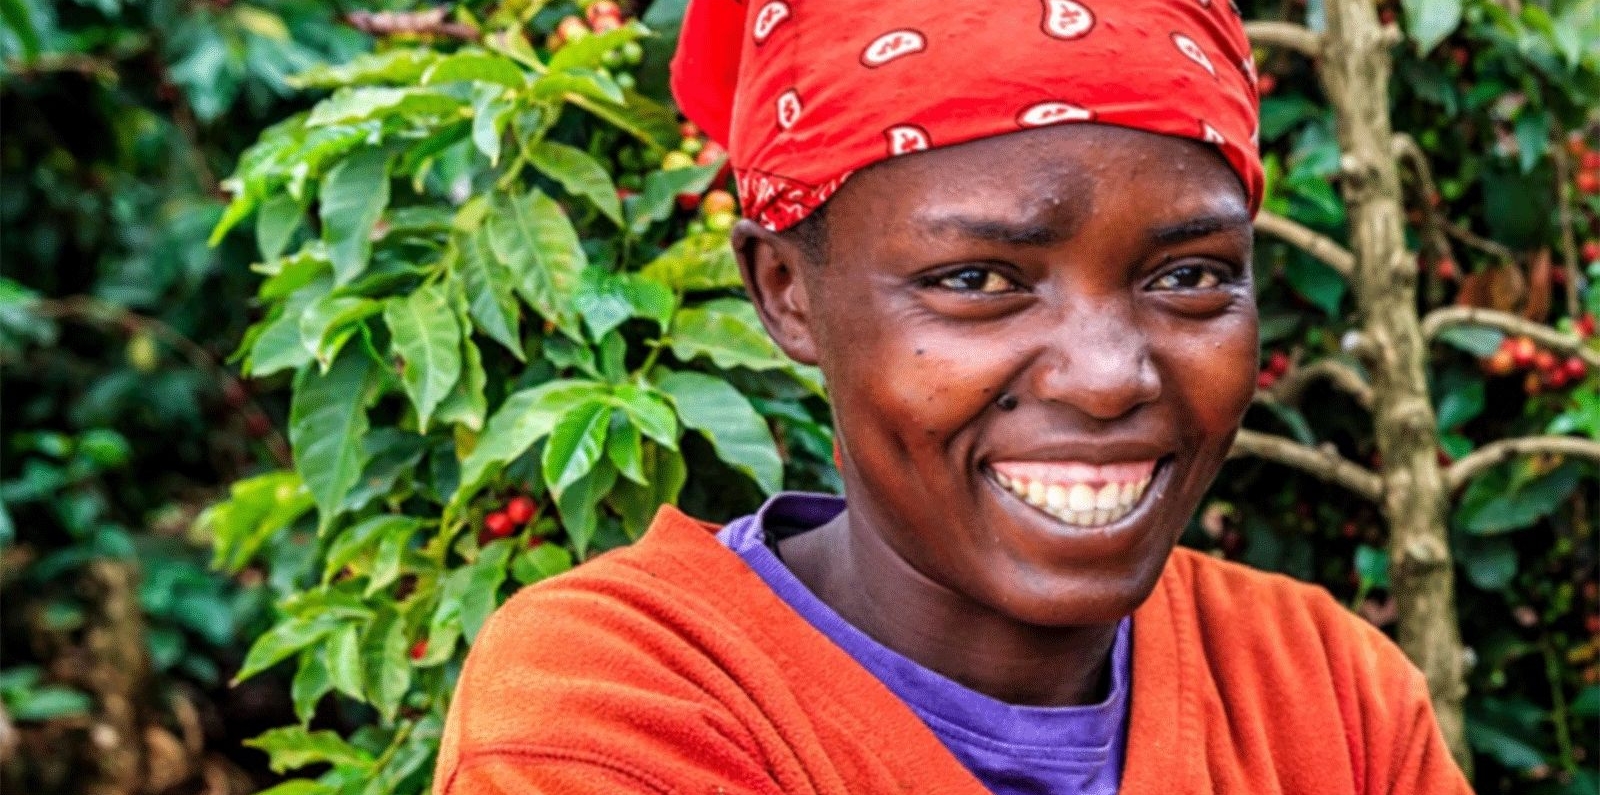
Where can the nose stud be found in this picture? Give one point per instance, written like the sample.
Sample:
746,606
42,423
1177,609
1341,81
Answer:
1006,401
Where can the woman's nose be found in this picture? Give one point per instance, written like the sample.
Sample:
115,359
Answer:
1099,364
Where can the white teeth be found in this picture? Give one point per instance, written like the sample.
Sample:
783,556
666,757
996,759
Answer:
1078,504
1108,497
1081,497
1056,497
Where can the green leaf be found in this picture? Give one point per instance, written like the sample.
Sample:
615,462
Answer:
343,651
1532,131
402,66
728,332
386,561
489,289
256,509
1372,564
327,420
471,593
660,195
330,321
282,640
276,222
1490,562
588,52
576,443
1460,402
625,451
490,113
466,404
541,562
299,786
1281,114
586,87
650,411
19,19
533,238
294,747
1587,702
310,684
278,345
1494,504
1318,283
602,300
697,262
737,433
1476,340
1429,22
524,418
349,543
577,504
579,174
49,702
353,196
1508,749
664,473
654,124
426,335
349,105
386,667
650,299
477,66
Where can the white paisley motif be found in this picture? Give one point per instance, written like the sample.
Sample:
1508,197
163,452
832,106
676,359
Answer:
1067,19
1053,113
892,45
1192,51
904,138
788,109
768,18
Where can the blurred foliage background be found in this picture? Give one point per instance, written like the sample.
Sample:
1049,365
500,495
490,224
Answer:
325,327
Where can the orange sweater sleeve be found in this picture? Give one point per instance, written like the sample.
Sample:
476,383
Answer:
562,694
1405,751
1285,689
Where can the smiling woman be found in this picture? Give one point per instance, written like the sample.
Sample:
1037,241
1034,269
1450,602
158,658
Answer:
1038,327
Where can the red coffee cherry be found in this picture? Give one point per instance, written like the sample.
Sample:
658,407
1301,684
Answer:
521,509
498,524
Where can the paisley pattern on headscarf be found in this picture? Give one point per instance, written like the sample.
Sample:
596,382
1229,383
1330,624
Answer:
804,92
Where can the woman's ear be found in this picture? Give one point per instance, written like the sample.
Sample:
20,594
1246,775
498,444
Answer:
771,266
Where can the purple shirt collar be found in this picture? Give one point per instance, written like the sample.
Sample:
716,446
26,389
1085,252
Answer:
1010,748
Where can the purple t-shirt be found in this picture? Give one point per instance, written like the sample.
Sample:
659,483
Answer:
1013,750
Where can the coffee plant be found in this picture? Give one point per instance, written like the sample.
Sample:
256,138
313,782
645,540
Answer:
497,271
477,271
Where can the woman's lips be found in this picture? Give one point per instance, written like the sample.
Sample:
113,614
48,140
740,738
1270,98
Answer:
1077,493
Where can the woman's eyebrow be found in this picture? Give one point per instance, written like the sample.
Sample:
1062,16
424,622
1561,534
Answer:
1025,233
1200,226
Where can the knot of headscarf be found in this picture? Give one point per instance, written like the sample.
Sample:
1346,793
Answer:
804,92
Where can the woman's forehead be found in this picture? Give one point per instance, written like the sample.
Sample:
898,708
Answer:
1039,186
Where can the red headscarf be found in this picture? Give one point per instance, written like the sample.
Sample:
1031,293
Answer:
804,92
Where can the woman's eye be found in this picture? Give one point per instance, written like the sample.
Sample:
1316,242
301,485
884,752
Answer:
1189,277
976,280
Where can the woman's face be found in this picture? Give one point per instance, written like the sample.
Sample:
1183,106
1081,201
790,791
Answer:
1093,279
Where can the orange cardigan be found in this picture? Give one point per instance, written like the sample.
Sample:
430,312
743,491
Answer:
671,667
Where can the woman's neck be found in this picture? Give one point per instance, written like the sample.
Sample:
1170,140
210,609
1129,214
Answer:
851,569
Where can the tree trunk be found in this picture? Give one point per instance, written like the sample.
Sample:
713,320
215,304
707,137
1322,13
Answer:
117,676
1355,70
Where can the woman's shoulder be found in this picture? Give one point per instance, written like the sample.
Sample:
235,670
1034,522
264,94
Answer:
1225,646
677,580
631,649
1237,604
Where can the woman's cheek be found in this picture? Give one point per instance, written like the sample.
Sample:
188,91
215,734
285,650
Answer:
1216,375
